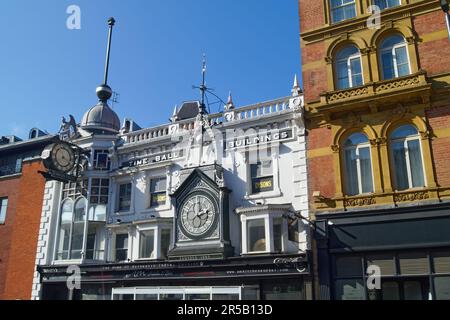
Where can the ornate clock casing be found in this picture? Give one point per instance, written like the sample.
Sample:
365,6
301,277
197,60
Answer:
201,220
59,157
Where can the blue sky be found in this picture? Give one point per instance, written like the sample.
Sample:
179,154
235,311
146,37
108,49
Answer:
47,70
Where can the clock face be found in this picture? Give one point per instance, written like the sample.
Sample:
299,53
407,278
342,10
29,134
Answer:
197,217
63,157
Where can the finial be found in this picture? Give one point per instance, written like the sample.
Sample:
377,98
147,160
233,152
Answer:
296,90
174,117
230,103
203,88
104,92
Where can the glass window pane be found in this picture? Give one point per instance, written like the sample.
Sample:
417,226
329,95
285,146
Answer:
387,61
366,170
349,266
441,262
122,247
404,131
385,262
278,234
147,244
256,233
414,264
351,172
415,159
80,210
442,288
400,168
352,289
165,243
413,290
77,240
390,291
125,197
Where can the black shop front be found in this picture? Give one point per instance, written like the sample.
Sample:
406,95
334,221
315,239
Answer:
392,254
275,277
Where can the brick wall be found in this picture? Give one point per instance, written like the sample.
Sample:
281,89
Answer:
9,187
431,52
439,119
24,235
311,14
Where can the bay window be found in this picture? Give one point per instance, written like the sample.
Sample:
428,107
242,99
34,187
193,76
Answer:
394,57
147,244
407,162
264,234
348,68
153,242
80,236
358,174
342,10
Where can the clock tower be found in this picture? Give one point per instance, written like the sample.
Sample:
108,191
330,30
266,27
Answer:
201,220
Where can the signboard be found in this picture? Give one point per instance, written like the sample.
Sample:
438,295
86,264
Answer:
163,157
257,139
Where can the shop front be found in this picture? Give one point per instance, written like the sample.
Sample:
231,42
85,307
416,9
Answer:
398,254
284,277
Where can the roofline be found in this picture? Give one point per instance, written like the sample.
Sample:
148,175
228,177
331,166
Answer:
28,143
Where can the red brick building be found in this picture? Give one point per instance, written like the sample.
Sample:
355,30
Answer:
378,114
21,196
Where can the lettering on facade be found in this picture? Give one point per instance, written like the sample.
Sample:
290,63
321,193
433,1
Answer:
169,156
266,138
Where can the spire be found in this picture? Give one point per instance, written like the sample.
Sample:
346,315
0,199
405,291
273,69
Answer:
203,88
296,90
104,92
230,104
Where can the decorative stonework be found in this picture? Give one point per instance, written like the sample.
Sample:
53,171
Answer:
346,94
360,202
403,83
335,148
413,196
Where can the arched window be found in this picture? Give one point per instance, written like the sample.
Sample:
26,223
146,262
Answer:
71,231
394,57
358,166
407,158
348,68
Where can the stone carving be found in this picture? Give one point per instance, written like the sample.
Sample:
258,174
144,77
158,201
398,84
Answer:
347,94
68,129
360,202
413,196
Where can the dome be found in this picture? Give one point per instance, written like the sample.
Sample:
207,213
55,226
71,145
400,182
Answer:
101,117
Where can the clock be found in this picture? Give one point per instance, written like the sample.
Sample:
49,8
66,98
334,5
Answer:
198,216
60,157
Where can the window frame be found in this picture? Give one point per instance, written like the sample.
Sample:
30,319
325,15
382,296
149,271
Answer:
358,147
269,222
350,74
386,4
3,209
393,53
119,210
151,194
405,141
96,154
127,249
340,7
261,177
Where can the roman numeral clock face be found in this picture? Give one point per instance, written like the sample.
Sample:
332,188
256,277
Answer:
198,216
63,157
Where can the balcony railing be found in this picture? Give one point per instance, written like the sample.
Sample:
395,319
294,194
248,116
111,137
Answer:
251,112
377,88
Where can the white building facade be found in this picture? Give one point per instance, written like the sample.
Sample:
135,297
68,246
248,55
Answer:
208,206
